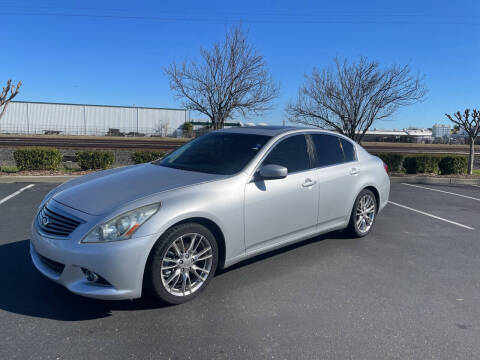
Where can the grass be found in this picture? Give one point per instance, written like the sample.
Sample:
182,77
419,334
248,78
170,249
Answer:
476,171
9,169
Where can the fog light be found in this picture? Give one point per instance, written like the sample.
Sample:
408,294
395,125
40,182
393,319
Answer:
91,276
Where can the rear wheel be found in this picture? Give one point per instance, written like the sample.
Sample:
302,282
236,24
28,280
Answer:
182,263
363,214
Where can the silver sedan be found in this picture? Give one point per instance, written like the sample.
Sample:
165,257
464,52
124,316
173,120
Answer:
167,226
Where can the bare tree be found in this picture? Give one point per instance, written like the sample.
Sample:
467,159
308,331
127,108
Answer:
350,97
8,93
471,126
230,78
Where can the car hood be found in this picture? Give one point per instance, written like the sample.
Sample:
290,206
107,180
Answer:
104,191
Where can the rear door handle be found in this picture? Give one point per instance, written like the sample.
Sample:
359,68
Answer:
354,171
308,183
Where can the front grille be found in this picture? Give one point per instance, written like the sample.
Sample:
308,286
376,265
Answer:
55,266
53,223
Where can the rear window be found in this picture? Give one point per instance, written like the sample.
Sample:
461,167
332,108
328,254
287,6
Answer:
331,150
348,150
327,150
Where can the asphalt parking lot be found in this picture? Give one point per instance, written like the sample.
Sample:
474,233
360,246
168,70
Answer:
410,290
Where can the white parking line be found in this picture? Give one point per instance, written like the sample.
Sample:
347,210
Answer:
433,216
16,193
443,191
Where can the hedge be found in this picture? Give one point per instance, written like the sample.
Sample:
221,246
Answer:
453,165
90,160
394,161
425,163
37,158
140,157
414,164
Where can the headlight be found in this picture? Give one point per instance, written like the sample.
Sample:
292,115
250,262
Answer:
121,227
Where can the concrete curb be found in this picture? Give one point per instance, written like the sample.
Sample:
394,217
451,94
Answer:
37,179
433,180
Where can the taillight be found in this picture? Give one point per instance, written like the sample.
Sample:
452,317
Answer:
385,166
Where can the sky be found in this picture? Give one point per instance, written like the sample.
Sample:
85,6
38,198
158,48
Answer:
114,52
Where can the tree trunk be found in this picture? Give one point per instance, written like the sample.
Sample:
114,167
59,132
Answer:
471,157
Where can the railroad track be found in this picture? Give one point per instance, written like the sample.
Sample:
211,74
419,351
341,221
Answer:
420,150
162,144
100,143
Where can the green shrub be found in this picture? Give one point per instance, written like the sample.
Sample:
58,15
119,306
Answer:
393,161
37,158
9,169
89,160
453,165
414,164
187,129
140,157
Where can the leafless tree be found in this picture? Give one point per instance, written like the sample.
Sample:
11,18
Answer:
162,128
471,126
350,97
8,93
230,78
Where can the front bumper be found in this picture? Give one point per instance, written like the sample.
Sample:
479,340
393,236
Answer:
120,263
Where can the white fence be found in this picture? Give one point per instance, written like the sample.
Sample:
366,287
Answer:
73,119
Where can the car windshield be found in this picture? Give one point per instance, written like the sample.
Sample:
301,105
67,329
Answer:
219,153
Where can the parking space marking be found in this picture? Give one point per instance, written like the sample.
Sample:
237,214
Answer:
431,215
16,193
443,191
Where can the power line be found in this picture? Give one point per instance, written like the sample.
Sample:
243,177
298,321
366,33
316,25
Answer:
287,14
260,21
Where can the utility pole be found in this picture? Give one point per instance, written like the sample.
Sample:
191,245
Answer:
137,120
84,122
28,122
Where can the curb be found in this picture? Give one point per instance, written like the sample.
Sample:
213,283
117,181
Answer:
433,180
37,179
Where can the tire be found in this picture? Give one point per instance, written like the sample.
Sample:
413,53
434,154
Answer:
176,282
359,228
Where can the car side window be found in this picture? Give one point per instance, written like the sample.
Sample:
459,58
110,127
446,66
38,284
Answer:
348,150
291,153
327,150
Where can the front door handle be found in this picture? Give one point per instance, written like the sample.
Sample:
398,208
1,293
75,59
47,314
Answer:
354,171
309,182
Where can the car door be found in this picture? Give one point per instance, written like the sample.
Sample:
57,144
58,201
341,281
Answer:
337,174
282,209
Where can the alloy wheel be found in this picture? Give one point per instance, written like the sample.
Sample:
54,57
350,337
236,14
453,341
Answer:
186,264
365,213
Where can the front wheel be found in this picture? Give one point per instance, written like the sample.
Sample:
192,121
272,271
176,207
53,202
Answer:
363,214
182,263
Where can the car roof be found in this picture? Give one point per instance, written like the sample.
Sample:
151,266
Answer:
269,130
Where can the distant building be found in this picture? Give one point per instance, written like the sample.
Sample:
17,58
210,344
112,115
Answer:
441,131
410,135
22,117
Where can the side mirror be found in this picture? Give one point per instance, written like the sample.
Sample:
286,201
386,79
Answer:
272,171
